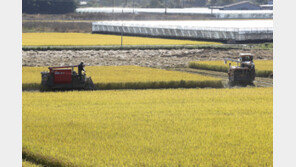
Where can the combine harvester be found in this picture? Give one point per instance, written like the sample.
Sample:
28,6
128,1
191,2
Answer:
244,73
65,78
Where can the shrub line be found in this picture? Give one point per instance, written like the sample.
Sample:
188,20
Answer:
143,85
43,160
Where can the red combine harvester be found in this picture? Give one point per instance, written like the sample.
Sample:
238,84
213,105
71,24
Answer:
65,78
244,72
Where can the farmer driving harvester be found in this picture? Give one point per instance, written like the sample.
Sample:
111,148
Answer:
80,69
65,78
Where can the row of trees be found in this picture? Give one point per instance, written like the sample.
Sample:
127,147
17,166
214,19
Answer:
147,3
168,3
226,2
68,6
48,6
201,3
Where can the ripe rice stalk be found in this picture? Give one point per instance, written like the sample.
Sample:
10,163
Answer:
164,127
85,39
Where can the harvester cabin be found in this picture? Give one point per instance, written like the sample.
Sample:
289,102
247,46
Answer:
246,57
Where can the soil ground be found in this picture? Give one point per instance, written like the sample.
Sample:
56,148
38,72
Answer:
150,58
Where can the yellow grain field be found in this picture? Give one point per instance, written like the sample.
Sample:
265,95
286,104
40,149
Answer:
167,127
264,68
30,164
84,39
128,77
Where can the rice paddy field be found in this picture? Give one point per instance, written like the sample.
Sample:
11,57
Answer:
163,127
30,164
85,39
264,68
128,77
145,127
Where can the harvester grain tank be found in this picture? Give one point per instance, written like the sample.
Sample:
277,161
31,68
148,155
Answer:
244,72
65,78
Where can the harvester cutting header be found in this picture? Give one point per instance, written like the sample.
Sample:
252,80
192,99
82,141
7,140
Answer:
244,72
66,78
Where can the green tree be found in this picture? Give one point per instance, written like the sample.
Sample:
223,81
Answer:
213,2
156,4
227,2
48,6
262,1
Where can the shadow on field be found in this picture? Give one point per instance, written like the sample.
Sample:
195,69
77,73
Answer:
43,160
142,85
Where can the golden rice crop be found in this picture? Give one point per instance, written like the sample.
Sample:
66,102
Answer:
81,39
264,68
167,127
120,77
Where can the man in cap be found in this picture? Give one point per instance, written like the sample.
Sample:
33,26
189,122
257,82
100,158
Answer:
80,69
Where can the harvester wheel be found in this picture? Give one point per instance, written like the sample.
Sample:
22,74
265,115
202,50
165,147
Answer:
251,84
44,89
89,85
231,84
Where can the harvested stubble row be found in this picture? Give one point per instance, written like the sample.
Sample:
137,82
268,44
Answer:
84,39
264,68
129,77
166,127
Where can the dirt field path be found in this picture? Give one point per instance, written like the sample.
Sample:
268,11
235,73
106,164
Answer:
150,58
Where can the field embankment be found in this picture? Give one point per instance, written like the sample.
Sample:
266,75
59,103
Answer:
264,68
185,127
264,46
129,77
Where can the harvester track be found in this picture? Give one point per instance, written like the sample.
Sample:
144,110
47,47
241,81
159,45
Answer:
259,81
